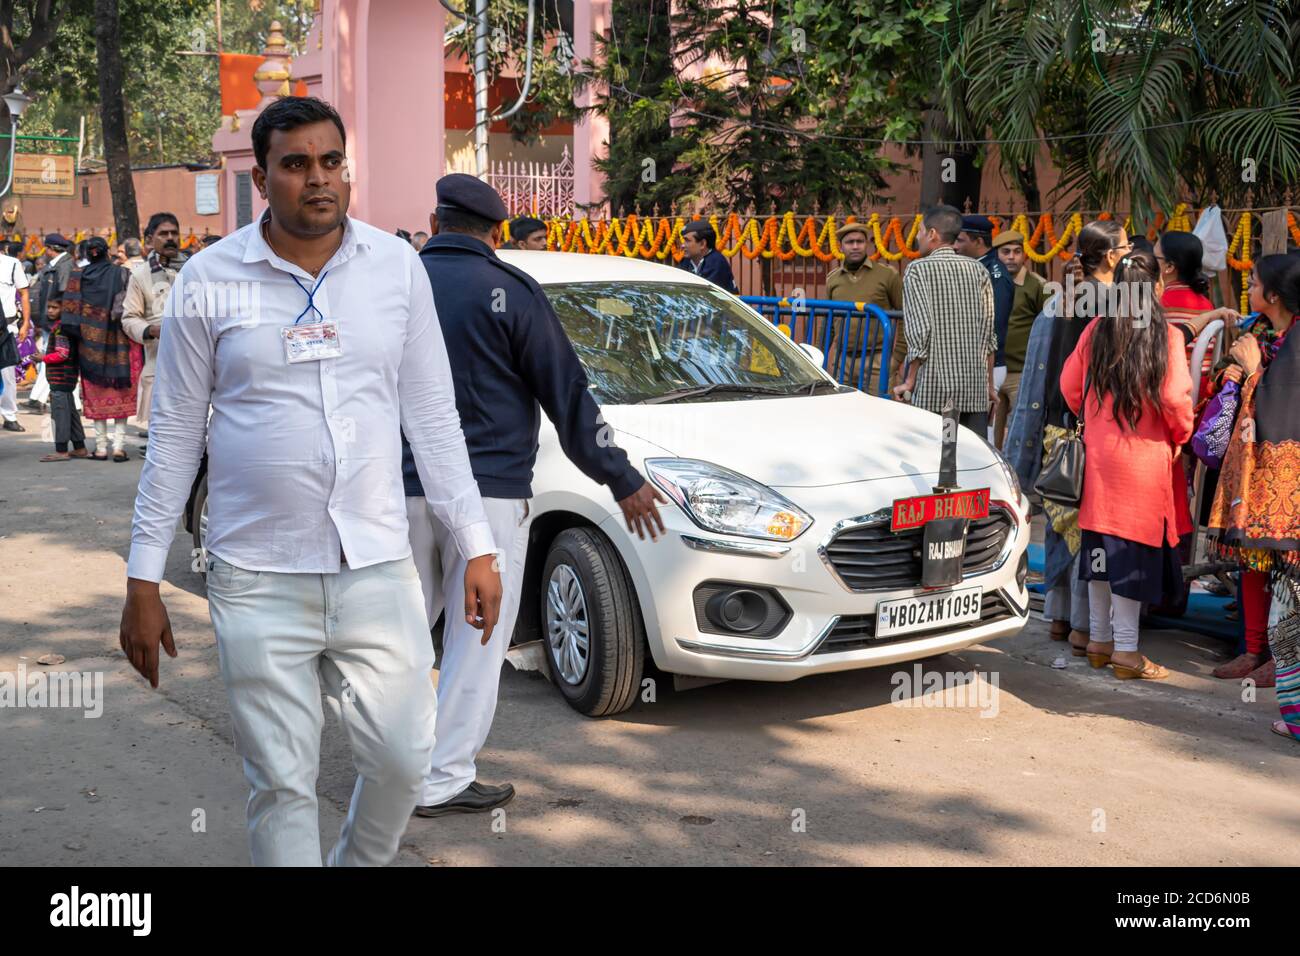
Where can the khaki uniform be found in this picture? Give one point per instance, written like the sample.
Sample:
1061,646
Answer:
142,308
872,283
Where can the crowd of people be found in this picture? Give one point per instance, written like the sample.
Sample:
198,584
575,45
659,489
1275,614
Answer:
81,329
327,570
1106,357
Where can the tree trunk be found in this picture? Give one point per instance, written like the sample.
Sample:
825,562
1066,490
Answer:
1027,183
112,112
948,176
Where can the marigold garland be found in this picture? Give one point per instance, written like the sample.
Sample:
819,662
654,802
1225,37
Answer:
786,236
1241,240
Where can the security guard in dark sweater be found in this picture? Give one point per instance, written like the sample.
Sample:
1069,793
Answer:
510,359
975,240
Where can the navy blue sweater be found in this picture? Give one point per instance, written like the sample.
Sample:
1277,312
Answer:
713,267
1004,295
509,354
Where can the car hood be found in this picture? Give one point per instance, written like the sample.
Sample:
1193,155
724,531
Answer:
802,442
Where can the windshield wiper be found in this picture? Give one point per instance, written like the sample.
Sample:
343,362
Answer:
678,394
821,382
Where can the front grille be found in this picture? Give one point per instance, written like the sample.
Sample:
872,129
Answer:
870,557
856,631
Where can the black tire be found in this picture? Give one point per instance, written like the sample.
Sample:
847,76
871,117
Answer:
616,634
196,514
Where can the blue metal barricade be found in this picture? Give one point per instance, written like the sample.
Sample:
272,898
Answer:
853,341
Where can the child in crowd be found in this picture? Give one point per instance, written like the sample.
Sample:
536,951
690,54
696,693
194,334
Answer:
62,372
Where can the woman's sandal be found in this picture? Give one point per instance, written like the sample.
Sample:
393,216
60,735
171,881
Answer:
121,456
1282,730
1098,658
1077,649
99,456
1149,670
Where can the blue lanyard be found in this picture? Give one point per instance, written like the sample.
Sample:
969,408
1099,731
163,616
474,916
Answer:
311,297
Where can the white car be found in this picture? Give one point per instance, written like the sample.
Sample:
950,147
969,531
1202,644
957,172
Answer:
779,555
779,559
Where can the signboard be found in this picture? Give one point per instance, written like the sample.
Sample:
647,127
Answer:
44,174
207,196
943,545
914,512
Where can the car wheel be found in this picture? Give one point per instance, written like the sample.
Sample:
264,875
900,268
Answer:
200,525
592,629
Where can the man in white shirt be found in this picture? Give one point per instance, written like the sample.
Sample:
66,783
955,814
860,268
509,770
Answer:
315,337
13,287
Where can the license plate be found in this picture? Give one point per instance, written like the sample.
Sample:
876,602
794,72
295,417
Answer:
928,612
911,513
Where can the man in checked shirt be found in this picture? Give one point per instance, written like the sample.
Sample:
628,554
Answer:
948,320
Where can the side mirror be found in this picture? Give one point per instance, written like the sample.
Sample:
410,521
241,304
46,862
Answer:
813,353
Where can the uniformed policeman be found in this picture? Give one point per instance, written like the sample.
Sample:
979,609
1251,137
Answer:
976,240
509,355
873,283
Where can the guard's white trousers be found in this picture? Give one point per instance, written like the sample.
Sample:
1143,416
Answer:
9,396
360,636
469,673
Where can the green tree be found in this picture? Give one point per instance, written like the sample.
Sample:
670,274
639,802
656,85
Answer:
173,101
552,85
641,140
1142,103
771,108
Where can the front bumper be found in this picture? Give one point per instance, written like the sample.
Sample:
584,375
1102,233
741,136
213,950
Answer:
666,574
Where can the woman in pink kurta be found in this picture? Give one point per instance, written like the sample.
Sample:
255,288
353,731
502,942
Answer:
1137,417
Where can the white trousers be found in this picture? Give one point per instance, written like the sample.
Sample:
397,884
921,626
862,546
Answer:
9,397
144,397
360,636
1113,617
469,673
118,426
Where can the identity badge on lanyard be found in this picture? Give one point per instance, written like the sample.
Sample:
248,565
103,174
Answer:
313,341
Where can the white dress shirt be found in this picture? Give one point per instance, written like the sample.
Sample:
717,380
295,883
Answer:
304,459
12,279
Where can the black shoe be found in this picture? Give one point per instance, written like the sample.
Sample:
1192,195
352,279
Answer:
14,427
476,798
33,405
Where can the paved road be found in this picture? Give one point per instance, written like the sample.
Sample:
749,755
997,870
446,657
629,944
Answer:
1074,768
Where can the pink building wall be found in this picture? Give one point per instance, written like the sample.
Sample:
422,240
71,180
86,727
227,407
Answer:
166,189
380,64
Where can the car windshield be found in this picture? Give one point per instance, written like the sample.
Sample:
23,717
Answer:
663,341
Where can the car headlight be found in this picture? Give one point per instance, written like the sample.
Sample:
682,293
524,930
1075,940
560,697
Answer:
721,500
1008,472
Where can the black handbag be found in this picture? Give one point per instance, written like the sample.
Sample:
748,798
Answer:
8,346
1061,479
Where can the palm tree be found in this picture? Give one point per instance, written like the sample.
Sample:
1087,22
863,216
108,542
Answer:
1141,103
